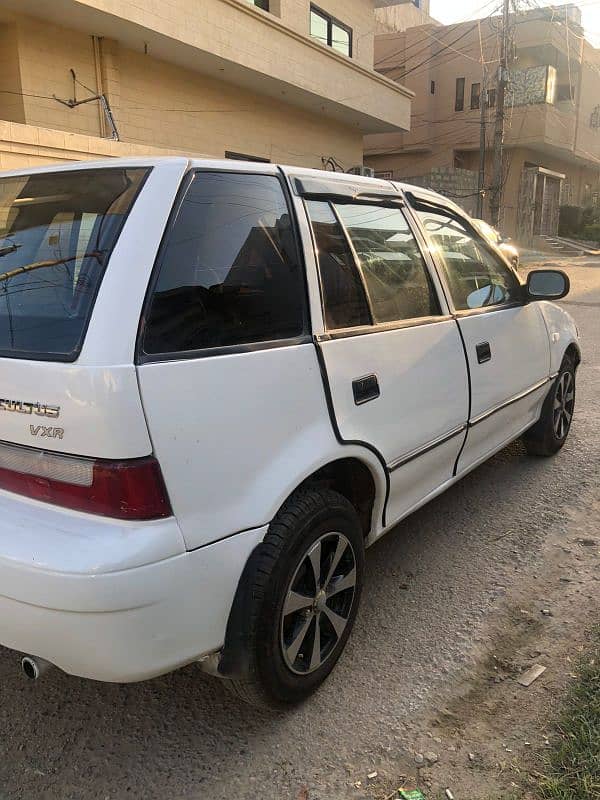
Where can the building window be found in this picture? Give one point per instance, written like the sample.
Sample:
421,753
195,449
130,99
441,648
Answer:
459,103
385,175
330,31
491,98
264,4
432,87
475,95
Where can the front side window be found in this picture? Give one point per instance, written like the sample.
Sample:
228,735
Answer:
477,277
57,232
330,31
393,268
230,272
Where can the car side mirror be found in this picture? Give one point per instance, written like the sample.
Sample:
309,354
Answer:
547,284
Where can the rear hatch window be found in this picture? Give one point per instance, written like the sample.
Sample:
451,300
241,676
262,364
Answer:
57,231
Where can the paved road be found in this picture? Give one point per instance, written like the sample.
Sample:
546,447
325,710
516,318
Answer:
431,586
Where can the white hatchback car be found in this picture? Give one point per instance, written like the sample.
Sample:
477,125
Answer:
222,381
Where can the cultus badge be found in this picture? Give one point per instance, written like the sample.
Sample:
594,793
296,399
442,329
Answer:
39,409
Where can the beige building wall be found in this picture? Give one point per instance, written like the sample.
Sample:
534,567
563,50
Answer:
400,17
11,98
163,104
205,78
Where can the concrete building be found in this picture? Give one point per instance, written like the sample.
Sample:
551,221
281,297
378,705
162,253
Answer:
279,80
401,16
552,114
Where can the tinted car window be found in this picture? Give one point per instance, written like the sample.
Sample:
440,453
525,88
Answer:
477,277
57,231
344,300
230,272
395,274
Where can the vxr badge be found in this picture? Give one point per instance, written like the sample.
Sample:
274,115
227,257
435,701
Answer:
50,433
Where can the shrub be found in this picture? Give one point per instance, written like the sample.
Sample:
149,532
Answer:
591,216
591,233
570,221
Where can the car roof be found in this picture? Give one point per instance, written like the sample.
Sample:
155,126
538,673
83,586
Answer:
248,166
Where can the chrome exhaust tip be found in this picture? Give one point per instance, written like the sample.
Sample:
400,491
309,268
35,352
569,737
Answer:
34,667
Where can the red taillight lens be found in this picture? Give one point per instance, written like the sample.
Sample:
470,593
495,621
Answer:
131,489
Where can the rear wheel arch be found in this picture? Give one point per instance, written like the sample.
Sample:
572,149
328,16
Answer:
353,479
260,673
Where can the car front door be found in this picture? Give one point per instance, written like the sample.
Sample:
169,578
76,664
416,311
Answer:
505,337
392,353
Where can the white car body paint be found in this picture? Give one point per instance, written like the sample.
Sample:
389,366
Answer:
234,435
562,332
224,474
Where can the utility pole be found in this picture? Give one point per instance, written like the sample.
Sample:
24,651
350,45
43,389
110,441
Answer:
482,142
498,176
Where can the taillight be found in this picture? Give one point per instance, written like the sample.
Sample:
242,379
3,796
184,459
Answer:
131,489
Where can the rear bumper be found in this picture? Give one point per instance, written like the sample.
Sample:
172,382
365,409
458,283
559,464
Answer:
120,625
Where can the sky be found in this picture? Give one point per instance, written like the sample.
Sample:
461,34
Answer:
446,11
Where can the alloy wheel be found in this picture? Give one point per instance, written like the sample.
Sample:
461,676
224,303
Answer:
564,404
318,603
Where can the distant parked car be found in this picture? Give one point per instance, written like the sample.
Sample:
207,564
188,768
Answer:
495,237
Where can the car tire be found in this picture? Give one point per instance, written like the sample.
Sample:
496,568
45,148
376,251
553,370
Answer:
303,605
550,433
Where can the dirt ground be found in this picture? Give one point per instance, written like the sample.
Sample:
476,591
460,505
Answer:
451,614
489,736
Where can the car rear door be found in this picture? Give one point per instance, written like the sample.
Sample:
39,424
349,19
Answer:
392,354
228,373
505,337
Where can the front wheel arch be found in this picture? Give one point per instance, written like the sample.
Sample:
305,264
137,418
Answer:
574,354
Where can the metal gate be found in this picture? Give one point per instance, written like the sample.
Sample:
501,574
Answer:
539,203
526,215
550,206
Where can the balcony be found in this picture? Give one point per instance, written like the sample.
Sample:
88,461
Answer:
234,41
545,126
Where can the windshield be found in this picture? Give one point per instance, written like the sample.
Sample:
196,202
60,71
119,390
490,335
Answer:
57,231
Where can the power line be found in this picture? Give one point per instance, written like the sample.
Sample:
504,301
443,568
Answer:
428,34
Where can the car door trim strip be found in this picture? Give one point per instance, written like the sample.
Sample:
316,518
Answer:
507,403
426,448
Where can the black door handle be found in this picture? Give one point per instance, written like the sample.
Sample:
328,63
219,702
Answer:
484,352
365,389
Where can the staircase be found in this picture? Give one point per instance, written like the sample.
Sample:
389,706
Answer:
566,247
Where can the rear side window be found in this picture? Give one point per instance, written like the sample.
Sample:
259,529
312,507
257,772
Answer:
394,271
344,300
229,273
57,231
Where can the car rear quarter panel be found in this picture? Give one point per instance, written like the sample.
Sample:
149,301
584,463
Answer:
236,434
